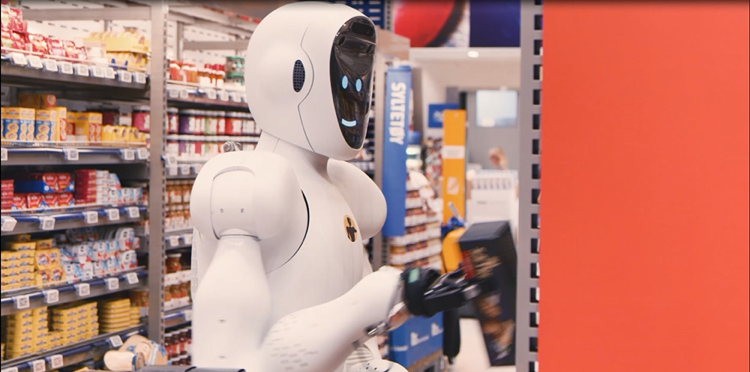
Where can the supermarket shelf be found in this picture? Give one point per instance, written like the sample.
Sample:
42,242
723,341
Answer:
202,102
73,354
38,78
32,223
68,292
178,317
23,156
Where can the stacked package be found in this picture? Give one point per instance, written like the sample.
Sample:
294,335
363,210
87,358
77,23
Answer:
88,252
26,332
7,194
31,263
42,191
114,315
103,188
75,322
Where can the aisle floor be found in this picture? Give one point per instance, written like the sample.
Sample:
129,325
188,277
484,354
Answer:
473,355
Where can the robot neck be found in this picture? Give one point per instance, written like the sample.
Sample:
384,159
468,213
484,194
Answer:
297,156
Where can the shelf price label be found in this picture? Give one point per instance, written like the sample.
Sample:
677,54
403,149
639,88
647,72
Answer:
115,341
132,278
210,94
21,302
38,365
188,239
81,69
51,296
8,223
113,284
235,97
55,361
142,153
18,59
66,68
224,95
50,65
128,154
35,62
97,71
83,289
170,159
173,93
47,223
174,240
91,217
113,214
11,369
139,77
185,169
184,94
125,76
133,212
110,73
188,314
70,154
4,154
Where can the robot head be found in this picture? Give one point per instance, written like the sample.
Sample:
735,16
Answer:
308,76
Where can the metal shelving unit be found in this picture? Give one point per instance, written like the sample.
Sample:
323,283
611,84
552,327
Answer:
68,292
86,155
39,222
178,317
527,301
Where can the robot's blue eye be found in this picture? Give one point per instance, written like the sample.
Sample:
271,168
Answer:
359,85
344,82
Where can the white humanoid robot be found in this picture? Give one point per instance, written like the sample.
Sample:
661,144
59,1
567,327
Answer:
281,281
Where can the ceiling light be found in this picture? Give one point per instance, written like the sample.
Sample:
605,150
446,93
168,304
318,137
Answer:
473,54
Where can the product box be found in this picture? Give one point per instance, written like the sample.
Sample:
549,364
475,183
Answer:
416,339
88,126
17,123
37,101
70,127
65,199
45,125
490,259
37,183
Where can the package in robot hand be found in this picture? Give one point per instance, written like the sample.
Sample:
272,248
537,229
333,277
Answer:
490,260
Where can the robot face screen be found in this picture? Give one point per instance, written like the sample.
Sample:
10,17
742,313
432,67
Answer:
352,58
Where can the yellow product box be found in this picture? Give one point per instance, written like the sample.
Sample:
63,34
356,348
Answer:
114,304
25,269
13,271
59,133
28,279
114,320
17,123
108,133
44,244
9,256
41,345
65,328
11,282
40,311
51,276
45,124
70,126
19,332
21,246
22,238
14,337
88,126
26,260
21,315
37,101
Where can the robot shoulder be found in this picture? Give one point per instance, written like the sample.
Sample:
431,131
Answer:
362,194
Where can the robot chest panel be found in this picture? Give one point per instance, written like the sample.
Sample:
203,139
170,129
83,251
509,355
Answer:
333,229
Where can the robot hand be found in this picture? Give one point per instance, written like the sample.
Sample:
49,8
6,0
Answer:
378,366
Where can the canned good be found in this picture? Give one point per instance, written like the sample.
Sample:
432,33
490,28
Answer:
142,118
173,120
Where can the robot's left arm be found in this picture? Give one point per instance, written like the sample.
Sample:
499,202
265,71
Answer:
362,194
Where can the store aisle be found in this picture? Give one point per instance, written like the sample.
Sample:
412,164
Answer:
473,356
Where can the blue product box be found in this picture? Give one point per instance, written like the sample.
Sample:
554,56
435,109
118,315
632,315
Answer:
416,339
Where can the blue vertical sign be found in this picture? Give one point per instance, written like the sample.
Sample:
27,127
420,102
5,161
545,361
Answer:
435,112
395,141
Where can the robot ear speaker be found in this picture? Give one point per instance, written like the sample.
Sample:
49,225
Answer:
298,76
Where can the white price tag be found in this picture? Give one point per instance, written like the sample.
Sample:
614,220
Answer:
66,68
132,278
188,315
4,154
235,97
185,169
47,223
115,341
173,93
11,369
142,153
125,76
82,70
139,77
70,154
172,170
224,95
51,296
21,302
38,365
184,94
18,59
113,284
91,217
110,73
56,361
50,65
133,212
113,214
188,239
171,159
8,223
97,71
210,94
174,240
128,154
83,289
35,62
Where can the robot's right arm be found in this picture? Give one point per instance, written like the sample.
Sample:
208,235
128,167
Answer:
238,200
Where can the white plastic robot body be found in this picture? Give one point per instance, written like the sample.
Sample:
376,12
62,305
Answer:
278,260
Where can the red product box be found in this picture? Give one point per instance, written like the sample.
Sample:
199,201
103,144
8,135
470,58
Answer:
65,182
38,43
19,201
49,201
17,40
16,20
85,173
37,183
85,183
85,190
7,185
65,199
85,201
56,47
6,195
33,201
6,205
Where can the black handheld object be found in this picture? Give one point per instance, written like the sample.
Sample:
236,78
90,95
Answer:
427,293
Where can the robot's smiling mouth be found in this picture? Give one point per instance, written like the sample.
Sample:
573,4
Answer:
348,124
